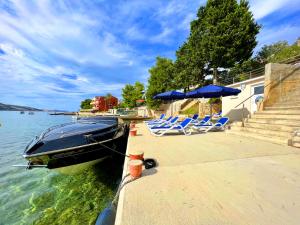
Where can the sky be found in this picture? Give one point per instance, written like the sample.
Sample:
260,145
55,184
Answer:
54,54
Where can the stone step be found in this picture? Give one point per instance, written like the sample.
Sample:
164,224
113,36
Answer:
295,90
273,127
291,104
276,116
291,95
279,112
276,140
291,92
283,107
296,141
264,132
189,105
293,123
285,102
296,144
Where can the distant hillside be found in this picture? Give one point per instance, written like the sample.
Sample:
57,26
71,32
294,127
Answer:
7,107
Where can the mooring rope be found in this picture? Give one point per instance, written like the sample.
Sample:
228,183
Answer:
122,184
105,146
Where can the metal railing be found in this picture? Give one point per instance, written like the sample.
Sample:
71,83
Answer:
257,72
278,82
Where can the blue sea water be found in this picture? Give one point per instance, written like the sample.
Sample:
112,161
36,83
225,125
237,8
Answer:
42,196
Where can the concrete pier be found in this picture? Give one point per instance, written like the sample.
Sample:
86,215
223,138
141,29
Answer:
212,179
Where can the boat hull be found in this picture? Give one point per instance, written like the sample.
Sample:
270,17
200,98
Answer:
113,145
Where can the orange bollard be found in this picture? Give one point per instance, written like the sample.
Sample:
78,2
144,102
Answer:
136,155
132,124
133,132
135,168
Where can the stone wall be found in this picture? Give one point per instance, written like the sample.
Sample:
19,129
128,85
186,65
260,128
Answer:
169,108
280,81
204,109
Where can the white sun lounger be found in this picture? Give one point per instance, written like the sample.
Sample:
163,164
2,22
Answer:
219,125
181,127
161,118
205,120
165,123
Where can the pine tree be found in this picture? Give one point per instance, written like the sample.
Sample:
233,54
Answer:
188,67
225,33
161,79
132,93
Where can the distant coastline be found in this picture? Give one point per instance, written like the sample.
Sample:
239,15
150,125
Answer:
8,107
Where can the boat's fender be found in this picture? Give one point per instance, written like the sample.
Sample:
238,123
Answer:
106,217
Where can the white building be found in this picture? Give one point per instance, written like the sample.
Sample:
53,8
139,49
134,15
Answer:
232,106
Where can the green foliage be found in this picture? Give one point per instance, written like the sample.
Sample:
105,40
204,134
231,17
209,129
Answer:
267,52
193,110
131,93
188,67
108,95
214,100
276,52
121,105
127,94
86,104
161,80
239,72
224,33
285,53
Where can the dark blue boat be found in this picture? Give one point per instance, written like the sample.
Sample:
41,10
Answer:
77,142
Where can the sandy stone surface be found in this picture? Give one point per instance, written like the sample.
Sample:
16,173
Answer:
212,179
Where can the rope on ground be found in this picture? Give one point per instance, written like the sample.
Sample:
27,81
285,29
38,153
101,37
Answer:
122,184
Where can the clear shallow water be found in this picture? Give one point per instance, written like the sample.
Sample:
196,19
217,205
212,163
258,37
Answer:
42,196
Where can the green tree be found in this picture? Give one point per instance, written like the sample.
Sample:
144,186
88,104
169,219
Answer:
286,53
139,90
161,79
276,52
240,72
189,66
108,95
267,52
131,93
86,104
127,94
225,33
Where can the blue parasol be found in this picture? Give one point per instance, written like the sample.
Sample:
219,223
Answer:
212,91
170,95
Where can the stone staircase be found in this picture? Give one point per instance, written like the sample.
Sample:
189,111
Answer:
278,123
190,104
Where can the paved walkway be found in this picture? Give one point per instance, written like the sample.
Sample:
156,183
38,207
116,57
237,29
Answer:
212,179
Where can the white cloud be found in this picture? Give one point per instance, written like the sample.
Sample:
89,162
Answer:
171,17
185,24
262,8
42,42
163,37
93,42
268,36
24,76
134,33
41,29
10,50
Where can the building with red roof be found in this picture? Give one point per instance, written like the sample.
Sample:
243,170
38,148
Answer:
104,103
